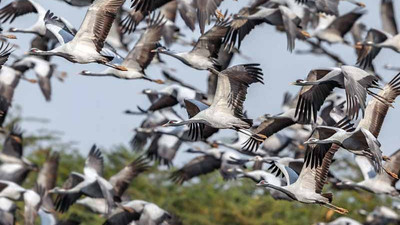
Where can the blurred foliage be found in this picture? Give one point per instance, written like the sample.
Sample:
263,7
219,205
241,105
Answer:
208,201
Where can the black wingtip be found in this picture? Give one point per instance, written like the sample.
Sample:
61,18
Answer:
95,152
252,144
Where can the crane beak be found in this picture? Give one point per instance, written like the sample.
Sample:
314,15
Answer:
300,147
214,145
122,68
17,139
262,136
395,176
130,210
358,45
33,81
361,4
10,36
158,81
219,14
305,34
262,183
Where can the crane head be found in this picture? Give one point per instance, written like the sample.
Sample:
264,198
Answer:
262,183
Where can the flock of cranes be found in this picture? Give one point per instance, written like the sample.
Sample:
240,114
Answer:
290,167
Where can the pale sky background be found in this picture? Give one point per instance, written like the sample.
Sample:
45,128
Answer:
89,109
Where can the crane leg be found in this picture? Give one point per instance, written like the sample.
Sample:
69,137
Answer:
335,208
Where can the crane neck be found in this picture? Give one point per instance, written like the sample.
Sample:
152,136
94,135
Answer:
179,56
283,190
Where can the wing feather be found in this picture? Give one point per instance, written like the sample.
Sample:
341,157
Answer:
198,166
98,21
232,86
141,55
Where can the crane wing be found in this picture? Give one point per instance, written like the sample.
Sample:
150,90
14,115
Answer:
98,21
232,87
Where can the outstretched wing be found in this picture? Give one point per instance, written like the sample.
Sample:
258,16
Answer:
64,201
288,173
98,21
374,149
232,87
124,177
193,107
205,8
267,128
48,173
376,111
5,51
344,23
356,83
141,8
95,161
388,17
188,13
315,153
315,178
16,9
13,144
198,166
45,85
58,28
329,7
208,44
311,98
141,55
239,28
367,53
